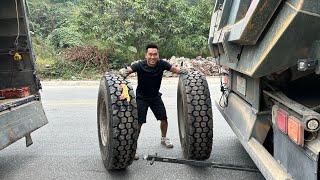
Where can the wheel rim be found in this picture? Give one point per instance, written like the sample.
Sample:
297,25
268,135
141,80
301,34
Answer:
181,114
103,125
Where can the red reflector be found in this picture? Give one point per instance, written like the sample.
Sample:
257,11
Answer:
281,120
295,130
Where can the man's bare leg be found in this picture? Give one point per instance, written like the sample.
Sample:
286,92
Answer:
136,156
139,129
164,127
164,140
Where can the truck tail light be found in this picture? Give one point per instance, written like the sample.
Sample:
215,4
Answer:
282,120
295,130
313,124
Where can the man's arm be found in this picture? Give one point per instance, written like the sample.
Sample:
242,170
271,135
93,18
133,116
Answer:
135,67
175,69
178,70
126,71
129,70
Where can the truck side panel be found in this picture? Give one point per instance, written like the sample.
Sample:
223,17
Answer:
291,29
20,115
15,38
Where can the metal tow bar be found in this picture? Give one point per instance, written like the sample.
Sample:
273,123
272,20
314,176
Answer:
154,158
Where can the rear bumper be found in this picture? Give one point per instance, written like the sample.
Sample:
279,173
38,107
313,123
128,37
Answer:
18,122
266,163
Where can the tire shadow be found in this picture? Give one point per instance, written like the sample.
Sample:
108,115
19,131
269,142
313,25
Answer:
119,174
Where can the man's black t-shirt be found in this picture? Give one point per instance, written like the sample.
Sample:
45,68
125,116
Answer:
149,78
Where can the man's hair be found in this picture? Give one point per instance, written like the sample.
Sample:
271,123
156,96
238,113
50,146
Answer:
151,46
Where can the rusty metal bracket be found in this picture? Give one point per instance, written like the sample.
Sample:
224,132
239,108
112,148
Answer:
18,102
29,141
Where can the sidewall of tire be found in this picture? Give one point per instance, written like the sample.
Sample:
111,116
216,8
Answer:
182,124
104,100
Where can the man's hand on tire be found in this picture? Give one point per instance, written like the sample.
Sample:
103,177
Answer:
183,71
124,72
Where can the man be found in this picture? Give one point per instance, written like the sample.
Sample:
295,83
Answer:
150,73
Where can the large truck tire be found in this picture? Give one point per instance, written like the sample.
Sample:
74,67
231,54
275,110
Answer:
117,123
194,116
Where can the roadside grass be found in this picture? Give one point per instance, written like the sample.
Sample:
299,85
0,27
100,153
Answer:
67,71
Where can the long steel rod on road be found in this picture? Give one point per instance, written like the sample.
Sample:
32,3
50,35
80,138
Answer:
154,158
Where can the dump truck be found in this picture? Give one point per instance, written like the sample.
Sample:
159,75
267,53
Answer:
269,53
21,111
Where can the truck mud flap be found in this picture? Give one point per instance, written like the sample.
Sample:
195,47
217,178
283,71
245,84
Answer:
19,121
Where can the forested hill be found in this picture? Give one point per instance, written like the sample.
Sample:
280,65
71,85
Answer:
101,34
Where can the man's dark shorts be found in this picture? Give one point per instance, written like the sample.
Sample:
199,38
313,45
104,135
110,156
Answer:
156,105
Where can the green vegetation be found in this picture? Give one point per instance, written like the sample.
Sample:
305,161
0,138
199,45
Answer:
81,38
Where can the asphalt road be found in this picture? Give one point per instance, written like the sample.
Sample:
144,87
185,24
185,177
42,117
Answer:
67,147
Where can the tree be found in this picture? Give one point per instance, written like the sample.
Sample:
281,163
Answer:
124,27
